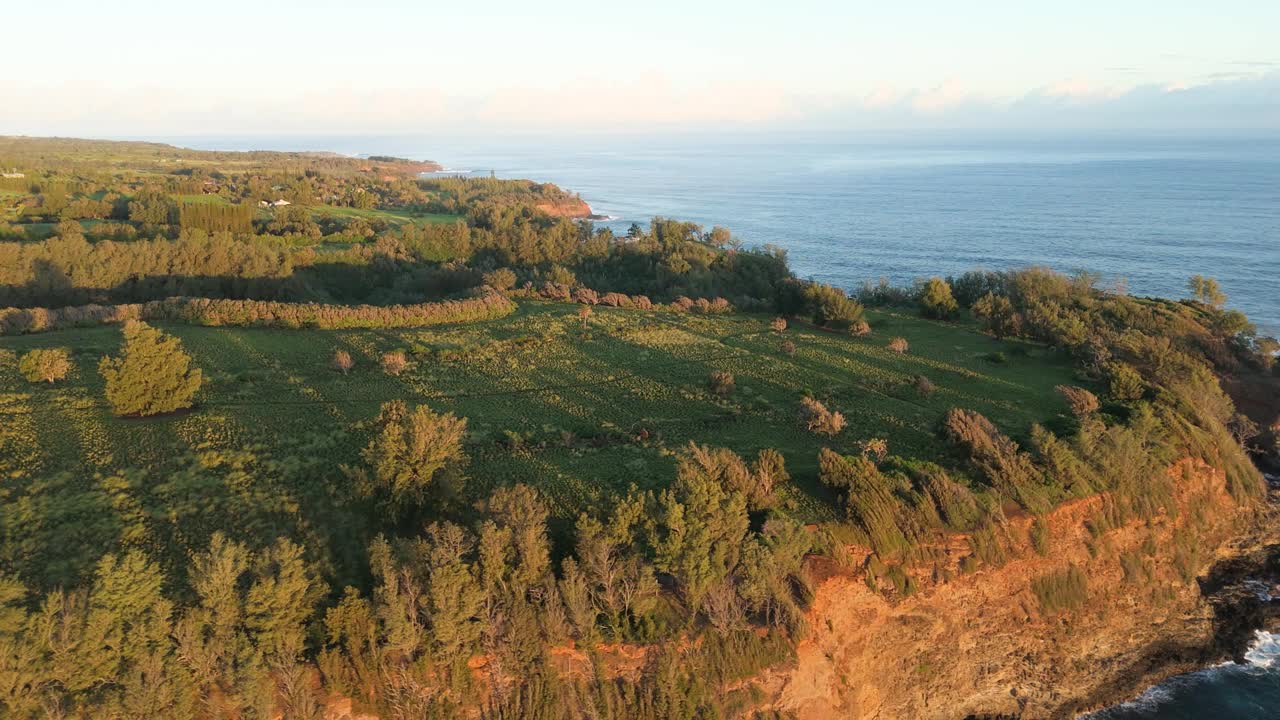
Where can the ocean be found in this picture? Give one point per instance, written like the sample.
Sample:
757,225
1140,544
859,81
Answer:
1142,212
1145,212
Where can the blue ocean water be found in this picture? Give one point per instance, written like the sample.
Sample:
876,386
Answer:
1241,691
1150,211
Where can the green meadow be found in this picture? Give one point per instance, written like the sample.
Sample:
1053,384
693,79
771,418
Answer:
580,412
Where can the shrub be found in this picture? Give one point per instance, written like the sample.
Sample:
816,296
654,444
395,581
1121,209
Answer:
924,385
342,361
787,347
1124,384
1064,590
875,448
860,329
936,300
830,306
585,296
868,497
45,365
1009,469
898,345
152,375
584,314
778,324
721,382
818,419
1082,402
998,315
724,468
1040,536
394,362
502,279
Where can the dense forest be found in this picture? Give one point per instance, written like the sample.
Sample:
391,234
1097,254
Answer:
378,565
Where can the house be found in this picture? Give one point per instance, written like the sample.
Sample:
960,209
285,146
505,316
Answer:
13,175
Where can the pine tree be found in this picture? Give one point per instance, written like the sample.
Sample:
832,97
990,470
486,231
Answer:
152,375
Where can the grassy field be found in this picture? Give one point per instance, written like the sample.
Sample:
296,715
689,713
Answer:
546,398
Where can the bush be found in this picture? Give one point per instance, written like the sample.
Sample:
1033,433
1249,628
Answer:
936,300
342,361
787,347
779,324
502,279
818,419
1082,402
860,329
45,365
152,375
830,307
394,362
924,385
1064,590
1009,470
1124,384
898,345
720,382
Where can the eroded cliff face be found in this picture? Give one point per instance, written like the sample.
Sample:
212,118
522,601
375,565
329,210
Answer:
573,207
979,644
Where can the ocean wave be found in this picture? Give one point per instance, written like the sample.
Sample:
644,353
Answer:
1260,660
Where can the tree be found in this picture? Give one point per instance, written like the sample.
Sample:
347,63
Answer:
699,533
412,454
45,365
936,300
152,375
584,313
1206,290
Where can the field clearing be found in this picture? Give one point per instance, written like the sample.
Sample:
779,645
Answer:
548,401
201,199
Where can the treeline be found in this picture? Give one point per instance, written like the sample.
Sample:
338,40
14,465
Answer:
466,618
258,313
216,217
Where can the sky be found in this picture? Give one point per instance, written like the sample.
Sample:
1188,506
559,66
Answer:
147,67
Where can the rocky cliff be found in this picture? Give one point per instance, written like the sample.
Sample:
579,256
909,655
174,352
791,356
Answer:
981,645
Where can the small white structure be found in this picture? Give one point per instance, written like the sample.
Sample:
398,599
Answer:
278,203
13,175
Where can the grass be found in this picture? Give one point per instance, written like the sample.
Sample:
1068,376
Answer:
201,198
536,378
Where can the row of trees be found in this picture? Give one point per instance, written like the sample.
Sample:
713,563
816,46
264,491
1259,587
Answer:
258,313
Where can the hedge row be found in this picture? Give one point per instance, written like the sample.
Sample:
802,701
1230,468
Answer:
258,313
